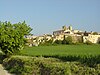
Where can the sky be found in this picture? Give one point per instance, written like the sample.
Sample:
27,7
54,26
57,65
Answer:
46,16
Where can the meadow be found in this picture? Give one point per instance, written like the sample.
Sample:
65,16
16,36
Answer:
62,50
56,60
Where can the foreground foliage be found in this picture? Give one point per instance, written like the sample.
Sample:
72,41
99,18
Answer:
12,37
25,65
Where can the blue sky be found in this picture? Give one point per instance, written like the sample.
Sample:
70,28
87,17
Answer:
45,16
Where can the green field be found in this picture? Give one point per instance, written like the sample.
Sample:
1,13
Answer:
56,60
62,50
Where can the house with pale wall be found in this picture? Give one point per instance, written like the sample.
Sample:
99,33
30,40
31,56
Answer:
45,37
92,38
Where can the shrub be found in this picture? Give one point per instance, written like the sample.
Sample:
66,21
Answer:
20,65
99,42
47,43
58,42
95,33
25,65
64,41
12,37
1,56
67,40
89,42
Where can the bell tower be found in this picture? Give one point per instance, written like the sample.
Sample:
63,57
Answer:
70,27
64,27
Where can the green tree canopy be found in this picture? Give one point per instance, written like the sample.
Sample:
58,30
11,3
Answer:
12,36
95,33
67,40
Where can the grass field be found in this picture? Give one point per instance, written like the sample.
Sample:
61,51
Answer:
57,60
62,50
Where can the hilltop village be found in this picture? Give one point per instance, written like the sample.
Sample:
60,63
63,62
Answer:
77,36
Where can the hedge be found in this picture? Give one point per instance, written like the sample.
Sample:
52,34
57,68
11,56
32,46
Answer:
25,65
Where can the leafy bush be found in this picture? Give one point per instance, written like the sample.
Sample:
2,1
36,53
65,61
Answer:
20,65
1,57
47,43
58,42
24,65
89,42
95,33
12,37
67,40
99,42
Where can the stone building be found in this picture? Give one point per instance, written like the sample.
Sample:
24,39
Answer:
92,38
65,31
77,35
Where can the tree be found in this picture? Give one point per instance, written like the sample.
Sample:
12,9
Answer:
64,40
95,33
58,42
12,36
67,40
